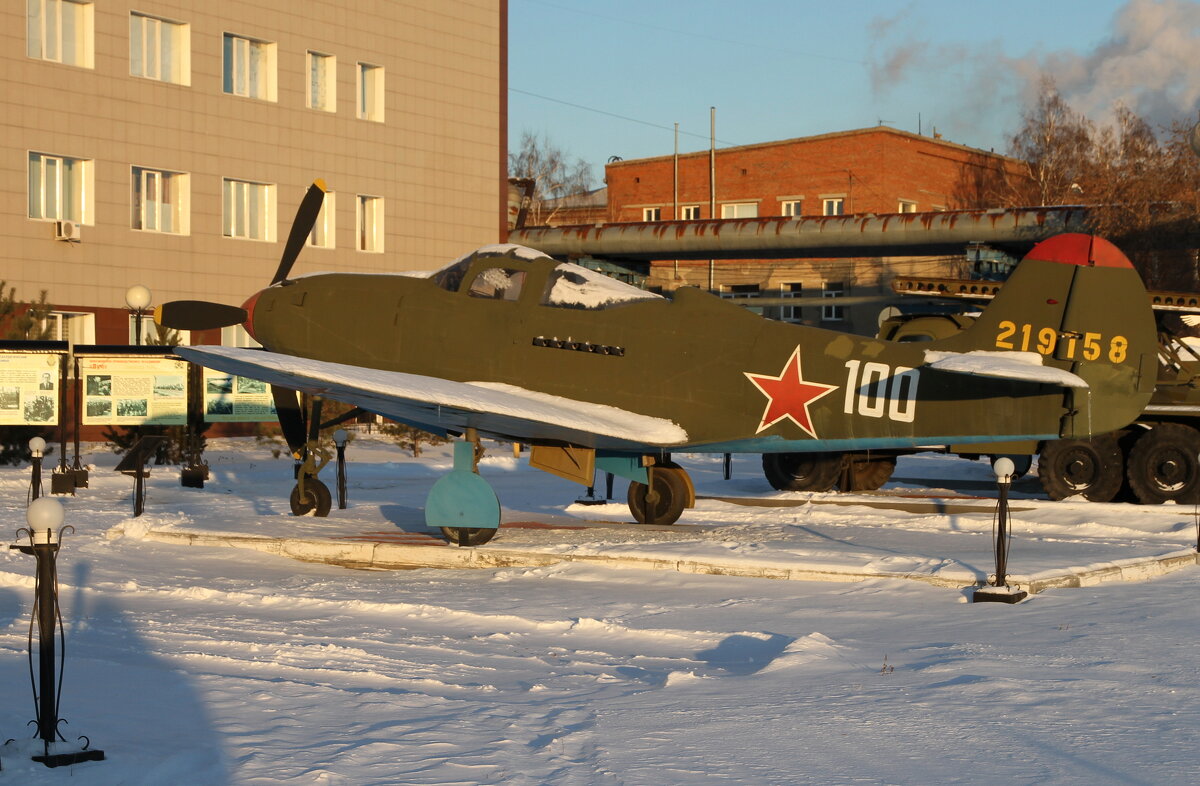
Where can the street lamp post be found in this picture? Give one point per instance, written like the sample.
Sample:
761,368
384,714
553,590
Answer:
137,297
37,448
339,439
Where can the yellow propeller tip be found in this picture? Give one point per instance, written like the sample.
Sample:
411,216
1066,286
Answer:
320,183
158,315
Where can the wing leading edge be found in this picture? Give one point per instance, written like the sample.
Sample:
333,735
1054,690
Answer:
439,404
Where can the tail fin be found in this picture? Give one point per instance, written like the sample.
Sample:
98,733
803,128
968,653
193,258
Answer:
1078,302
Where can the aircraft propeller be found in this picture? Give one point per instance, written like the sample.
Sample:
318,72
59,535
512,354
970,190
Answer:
206,315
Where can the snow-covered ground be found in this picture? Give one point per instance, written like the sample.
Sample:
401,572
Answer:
195,665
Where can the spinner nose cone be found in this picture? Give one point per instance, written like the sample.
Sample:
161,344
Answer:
248,306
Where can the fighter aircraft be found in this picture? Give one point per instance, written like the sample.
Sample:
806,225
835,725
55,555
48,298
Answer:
597,374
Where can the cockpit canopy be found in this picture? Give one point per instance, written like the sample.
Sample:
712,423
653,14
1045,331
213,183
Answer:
569,285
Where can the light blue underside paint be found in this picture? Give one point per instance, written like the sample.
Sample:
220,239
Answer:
462,498
628,467
780,445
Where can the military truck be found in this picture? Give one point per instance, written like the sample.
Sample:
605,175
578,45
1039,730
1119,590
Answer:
1151,461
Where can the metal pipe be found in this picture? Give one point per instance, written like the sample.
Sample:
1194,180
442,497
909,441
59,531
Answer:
783,237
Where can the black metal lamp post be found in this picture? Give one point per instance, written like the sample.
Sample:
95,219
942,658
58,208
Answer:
44,533
37,449
137,297
339,439
999,591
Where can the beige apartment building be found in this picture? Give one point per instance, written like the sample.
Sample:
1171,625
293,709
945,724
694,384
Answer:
167,143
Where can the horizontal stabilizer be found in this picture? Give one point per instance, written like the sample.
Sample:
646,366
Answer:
1022,366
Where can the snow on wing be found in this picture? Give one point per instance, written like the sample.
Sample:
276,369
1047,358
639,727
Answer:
441,404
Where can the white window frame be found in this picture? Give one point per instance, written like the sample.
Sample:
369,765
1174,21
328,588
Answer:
321,68
906,206
237,201
369,92
369,224
73,203
324,234
238,70
237,336
739,210
689,212
652,214
146,36
791,290
833,206
46,36
75,327
833,290
147,214
792,208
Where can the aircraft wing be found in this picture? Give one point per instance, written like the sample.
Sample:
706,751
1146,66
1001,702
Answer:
1023,366
503,411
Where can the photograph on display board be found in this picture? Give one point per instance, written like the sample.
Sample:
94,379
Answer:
10,397
39,409
98,385
233,399
219,384
170,386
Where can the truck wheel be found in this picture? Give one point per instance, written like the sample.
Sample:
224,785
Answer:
802,471
867,474
1093,468
1163,465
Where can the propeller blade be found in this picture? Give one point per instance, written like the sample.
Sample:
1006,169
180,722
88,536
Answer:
302,224
197,315
291,418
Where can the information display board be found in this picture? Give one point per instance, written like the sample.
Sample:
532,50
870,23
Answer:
29,388
229,398
133,391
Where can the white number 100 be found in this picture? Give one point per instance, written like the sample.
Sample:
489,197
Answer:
881,390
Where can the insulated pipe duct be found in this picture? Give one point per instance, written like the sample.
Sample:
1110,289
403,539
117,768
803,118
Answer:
896,234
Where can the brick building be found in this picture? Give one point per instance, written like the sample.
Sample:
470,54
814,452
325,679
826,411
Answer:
865,171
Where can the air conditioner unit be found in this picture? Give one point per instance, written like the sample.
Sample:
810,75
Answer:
66,230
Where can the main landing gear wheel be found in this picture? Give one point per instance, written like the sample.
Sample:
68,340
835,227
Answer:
316,501
469,536
1092,467
1163,465
664,505
803,471
867,474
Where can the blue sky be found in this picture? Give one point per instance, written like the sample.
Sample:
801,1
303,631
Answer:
776,70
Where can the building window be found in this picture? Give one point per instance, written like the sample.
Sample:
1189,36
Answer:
369,215
249,67
370,92
249,210
906,206
77,327
831,313
689,212
60,188
236,336
652,214
157,335
159,49
322,82
833,206
59,31
740,210
793,208
322,234
160,201
791,313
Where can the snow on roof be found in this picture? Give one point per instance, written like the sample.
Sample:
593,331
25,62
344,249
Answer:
1024,366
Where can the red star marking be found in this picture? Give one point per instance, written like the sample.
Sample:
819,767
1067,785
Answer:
789,395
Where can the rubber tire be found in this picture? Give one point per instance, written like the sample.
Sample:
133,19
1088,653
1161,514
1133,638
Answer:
672,489
316,502
476,536
867,474
1093,468
1163,465
803,471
